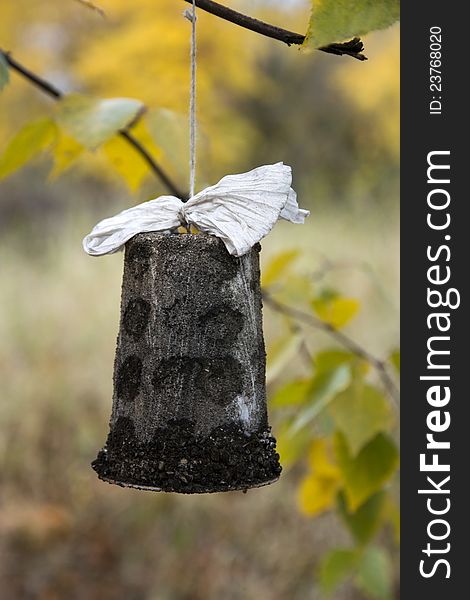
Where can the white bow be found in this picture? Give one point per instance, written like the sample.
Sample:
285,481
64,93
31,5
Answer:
240,209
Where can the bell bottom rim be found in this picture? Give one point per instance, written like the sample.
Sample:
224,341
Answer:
206,490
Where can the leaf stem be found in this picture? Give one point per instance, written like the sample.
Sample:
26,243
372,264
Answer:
379,365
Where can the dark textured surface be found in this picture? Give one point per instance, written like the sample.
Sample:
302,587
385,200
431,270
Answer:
178,460
190,344
190,350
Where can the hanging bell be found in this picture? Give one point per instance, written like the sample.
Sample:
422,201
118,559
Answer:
189,407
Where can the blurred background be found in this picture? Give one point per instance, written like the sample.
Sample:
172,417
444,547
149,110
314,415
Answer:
335,120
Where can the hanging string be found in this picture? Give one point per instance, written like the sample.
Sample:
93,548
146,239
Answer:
191,16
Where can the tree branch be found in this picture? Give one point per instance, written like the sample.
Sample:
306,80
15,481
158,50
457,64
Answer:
40,83
379,365
57,94
352,48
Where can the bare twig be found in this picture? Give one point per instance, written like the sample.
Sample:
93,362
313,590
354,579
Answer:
57,94
353,48
40,83
379,365
92,6
154,166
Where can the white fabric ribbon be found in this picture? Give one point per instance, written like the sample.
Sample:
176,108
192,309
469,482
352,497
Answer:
240,209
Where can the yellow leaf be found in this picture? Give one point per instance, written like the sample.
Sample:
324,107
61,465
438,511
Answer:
318,490
320,460
336,311
65,151
30,141
317,494
126,161
277,267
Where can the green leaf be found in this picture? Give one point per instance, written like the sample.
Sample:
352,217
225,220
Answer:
330,359
360,412
338,20
92,121
336,311
365,521
30,141
292,393
336,567
374,576
277,267
365,474
394,358
392,515
325,386
4,71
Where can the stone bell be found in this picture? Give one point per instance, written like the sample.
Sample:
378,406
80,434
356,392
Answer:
189,407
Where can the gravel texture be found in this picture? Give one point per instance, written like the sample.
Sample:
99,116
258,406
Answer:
178,460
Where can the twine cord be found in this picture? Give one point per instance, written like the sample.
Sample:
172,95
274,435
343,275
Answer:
191,16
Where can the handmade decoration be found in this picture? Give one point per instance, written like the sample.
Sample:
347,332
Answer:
189,406
240,209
